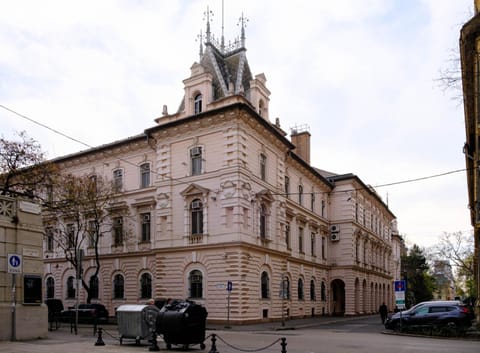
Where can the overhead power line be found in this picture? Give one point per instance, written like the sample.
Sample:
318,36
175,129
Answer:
184,182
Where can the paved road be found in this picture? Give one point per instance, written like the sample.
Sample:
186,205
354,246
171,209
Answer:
358,335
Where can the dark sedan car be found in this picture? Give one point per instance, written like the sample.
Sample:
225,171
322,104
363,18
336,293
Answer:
93,313
442,314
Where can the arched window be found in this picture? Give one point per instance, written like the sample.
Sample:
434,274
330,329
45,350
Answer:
195,280
263,221
145,175
300,289
146,286
118,287
265,285
323,293
196,210
198,103
312,290
70,287
50,285
93,287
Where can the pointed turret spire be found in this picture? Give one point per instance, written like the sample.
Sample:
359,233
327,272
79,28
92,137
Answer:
207,16
242,21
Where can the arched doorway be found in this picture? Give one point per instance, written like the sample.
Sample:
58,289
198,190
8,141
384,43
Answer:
338,297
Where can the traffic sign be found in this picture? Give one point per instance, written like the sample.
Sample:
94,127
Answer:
14,263
229,286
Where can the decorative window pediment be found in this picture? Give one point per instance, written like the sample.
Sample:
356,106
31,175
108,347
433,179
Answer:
194,189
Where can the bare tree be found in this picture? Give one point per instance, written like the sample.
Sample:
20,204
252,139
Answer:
79,211
457,248
23,168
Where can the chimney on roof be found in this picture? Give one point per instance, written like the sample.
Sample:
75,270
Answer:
300,137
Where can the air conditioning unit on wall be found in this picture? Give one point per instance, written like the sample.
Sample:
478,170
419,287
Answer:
334,232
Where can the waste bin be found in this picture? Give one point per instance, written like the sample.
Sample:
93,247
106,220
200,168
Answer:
182,323
136,321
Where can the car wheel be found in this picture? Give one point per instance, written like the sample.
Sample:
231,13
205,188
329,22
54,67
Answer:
452,328
397,326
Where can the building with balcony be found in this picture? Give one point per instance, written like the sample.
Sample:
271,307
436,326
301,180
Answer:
216,193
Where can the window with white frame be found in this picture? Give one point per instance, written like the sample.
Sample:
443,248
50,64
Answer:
313,237
196,160
263,166
146,226
300,239
145,175
263,221
49,238
198,103
118,180
117,231
196,217
195,281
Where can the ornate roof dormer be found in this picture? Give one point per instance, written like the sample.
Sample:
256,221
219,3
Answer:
222,71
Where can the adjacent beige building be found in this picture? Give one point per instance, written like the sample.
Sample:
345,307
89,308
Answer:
23,316
216,193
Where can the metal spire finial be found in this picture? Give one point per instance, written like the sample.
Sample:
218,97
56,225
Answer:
207,15
222,44
242,21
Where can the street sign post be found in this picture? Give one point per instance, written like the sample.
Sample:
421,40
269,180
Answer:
400,288
229,289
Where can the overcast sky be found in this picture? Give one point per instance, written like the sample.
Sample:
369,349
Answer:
361,74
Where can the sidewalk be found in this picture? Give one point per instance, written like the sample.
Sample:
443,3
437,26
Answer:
63,341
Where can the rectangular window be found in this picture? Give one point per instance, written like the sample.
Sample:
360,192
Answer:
287,235
92,232
323,248
312,243
323,208
300,240
312,201
263,166
71,235
145,226
145,175
117,231
196,160
118,180
287,186
49,236
300,194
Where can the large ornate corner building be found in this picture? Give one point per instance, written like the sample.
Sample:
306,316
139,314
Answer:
217,194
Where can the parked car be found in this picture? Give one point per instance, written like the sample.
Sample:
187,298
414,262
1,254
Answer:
442,314
93,313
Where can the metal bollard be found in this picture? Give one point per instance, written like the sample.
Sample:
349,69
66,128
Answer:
213,349
284,345
99,338
154,347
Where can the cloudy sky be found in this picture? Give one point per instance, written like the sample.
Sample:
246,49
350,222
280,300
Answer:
361,74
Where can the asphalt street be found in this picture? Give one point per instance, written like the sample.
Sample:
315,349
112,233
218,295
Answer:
319,335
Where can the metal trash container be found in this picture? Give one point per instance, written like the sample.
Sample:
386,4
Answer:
136,321
182,323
